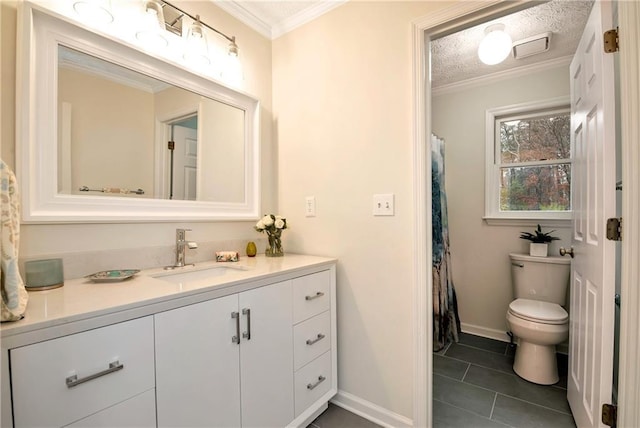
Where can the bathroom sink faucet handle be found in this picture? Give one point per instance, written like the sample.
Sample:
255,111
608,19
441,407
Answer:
564,251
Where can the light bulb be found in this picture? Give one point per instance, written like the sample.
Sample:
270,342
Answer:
495,46
152,26
95,11
196,48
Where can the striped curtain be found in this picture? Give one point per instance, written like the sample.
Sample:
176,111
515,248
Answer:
446,322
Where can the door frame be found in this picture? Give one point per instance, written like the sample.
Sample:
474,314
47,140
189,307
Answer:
465,14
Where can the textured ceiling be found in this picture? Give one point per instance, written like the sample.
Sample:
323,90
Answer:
455,58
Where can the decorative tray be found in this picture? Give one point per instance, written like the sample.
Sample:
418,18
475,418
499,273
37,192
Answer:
112,275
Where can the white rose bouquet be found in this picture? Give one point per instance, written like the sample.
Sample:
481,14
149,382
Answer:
272,225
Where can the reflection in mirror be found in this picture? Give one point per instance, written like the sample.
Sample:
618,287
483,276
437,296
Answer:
122,133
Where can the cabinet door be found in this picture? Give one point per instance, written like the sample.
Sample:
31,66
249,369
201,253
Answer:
267,356
197,365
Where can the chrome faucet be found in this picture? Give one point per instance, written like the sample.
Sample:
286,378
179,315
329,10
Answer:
181,246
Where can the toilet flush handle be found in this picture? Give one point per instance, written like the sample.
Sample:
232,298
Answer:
564,251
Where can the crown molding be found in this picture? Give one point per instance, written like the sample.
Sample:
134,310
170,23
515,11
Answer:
237,10
501,75
304,16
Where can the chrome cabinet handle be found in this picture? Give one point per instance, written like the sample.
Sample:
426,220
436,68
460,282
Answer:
564,251
318,338
236,338
247,334
311,386
74,381
315,296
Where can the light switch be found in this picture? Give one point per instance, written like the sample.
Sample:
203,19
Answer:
383,204
310,206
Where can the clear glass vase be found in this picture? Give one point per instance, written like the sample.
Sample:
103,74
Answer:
274,246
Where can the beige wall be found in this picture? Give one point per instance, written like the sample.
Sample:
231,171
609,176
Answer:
479,252
342,103
118,151
255,54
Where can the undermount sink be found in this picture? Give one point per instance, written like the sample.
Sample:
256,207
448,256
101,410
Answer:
182,276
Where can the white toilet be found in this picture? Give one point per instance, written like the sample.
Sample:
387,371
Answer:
536,316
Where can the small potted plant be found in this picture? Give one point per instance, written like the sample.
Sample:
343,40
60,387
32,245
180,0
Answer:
539,245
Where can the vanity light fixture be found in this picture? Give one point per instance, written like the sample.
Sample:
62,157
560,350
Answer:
152,26
196,49
95,11
495,46
232,49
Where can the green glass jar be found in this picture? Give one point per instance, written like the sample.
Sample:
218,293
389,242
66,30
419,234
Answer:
251,249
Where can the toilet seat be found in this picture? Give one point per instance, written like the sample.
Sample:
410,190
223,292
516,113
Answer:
538,311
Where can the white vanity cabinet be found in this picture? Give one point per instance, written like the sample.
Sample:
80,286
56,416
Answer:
255,350
227,362
62,381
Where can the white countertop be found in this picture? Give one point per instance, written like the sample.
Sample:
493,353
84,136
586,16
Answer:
81,299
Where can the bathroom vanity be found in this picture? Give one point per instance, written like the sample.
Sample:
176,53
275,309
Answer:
251,343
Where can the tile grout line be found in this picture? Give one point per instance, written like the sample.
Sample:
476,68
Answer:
493,406
465,372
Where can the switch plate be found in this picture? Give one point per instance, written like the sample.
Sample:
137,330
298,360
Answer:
310,206
383,204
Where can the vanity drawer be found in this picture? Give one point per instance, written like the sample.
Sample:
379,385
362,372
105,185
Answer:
111,364
312,382
138,412
311,339
311,295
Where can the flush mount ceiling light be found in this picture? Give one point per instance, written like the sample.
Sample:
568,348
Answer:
96,11
495,46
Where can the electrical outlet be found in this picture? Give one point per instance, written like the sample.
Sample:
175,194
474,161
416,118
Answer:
310,206
383,204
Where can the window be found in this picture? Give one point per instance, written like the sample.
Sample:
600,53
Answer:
529,162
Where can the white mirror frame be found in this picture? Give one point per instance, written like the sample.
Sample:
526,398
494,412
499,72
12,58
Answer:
40,34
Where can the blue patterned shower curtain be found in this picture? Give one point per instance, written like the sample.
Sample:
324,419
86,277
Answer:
446,322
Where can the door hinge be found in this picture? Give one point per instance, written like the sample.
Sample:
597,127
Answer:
611,41
609,414
614,229
171,145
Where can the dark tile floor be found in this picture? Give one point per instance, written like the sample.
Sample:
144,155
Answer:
337,417
474,386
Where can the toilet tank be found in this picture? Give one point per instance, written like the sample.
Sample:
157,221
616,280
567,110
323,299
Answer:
540,278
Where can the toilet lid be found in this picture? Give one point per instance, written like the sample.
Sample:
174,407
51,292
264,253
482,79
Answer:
535,310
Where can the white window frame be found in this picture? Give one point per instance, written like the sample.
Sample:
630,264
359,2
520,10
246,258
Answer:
493,215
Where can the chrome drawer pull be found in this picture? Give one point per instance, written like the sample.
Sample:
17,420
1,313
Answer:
236,338
113,367
318,294
317,339
311,386
247,334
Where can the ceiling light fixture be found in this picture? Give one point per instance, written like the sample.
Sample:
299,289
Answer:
495,46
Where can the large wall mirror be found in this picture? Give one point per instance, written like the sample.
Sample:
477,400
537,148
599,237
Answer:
110,134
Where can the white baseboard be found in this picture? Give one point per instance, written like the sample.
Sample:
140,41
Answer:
489,333
370,411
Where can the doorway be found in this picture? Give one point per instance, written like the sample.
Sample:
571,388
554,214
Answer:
424,30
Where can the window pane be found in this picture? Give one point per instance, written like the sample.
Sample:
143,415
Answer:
535,139
536,188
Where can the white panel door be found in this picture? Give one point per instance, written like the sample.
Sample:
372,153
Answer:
185,156
266,357
593,268
197,365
